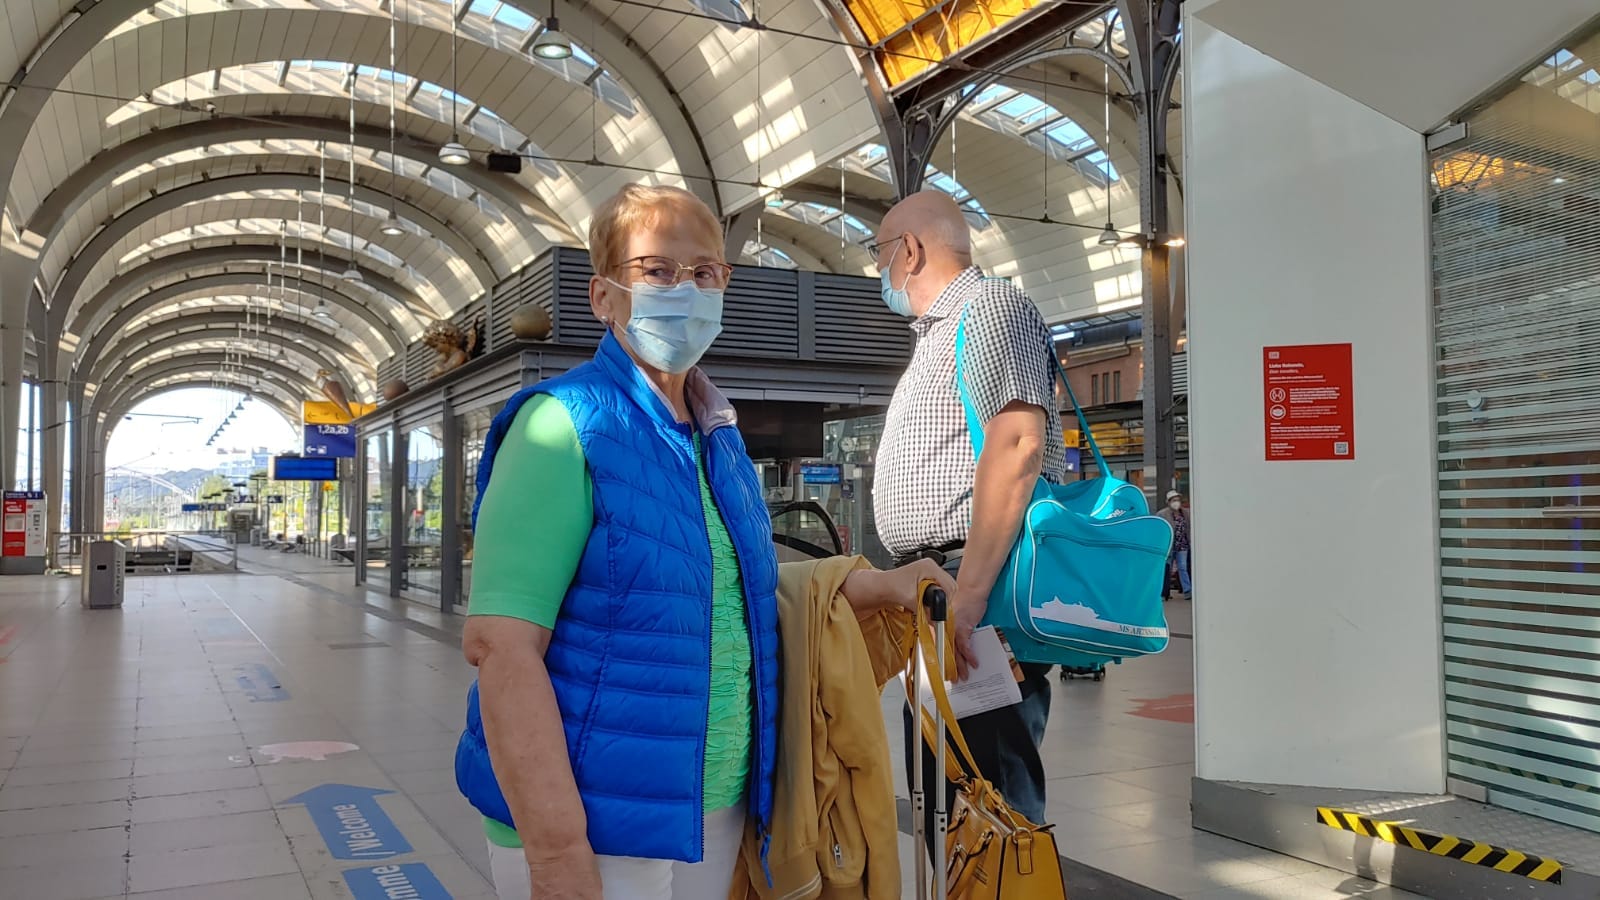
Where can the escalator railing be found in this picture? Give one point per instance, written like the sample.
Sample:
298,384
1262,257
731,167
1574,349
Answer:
802,530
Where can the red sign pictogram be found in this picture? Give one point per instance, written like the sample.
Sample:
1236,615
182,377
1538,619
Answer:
1309,402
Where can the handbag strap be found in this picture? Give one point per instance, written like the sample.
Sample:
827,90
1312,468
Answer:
975,427
941,698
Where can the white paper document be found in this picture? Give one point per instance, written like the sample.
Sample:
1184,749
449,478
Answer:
990,686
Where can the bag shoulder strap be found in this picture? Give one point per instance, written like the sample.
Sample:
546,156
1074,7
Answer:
975,427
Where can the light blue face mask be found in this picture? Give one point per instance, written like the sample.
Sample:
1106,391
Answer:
896,298
672,327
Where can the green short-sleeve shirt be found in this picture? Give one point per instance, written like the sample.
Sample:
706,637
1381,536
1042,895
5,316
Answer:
532,527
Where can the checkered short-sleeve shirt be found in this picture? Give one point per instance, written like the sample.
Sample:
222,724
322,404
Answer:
922,489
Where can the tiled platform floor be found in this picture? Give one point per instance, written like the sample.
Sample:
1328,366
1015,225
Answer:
131,761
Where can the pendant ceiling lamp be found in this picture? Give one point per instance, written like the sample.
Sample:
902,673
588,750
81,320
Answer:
453,153
391,225
551,43
1109,237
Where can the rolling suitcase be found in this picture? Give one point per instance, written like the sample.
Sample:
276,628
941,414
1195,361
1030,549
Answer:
990,851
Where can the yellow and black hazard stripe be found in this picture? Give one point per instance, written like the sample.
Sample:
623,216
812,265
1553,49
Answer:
1537,868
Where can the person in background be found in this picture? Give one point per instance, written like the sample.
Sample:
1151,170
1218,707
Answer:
1178,518
932,500
623,620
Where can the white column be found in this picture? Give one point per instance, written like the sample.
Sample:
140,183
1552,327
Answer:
1317,632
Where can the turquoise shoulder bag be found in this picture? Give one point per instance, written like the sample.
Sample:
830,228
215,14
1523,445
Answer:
1082,584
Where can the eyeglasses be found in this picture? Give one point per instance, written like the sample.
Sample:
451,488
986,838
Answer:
662,271
877,247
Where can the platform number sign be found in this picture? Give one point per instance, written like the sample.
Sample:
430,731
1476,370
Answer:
331,441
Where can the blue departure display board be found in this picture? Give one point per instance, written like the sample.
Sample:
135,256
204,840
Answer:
301,468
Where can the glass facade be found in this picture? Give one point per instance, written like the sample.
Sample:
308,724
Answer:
1516,320
423,507
474,430
380,463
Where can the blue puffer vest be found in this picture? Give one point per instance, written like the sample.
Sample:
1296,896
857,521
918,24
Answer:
630,657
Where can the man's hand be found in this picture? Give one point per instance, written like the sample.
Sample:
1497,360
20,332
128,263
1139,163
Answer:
869,590
572,875
966,611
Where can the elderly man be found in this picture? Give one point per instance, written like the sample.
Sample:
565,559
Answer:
932,499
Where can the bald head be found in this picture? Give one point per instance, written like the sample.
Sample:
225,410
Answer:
937,222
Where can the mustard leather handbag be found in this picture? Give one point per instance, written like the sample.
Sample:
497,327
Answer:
991,851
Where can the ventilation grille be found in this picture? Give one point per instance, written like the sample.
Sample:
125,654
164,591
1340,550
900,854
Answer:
575,322
853,325
1516,233
761,314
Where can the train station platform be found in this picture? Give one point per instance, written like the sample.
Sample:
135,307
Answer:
276,734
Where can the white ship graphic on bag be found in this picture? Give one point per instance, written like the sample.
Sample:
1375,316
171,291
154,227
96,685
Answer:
1057,610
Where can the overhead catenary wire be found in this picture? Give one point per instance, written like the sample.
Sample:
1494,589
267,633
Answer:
593,162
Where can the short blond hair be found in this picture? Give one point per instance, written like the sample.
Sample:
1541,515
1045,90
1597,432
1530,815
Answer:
639,206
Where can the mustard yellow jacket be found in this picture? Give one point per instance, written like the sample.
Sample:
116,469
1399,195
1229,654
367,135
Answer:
834,834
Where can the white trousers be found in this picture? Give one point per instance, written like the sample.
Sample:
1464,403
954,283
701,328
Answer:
628,878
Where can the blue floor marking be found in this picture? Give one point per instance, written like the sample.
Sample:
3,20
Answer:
352,823
258,683
410,881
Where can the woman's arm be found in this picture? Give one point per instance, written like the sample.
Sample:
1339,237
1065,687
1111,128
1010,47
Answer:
528,749
869,590
532,527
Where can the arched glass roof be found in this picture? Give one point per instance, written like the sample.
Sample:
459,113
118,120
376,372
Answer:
829,218
1571,77
487,22
1093,33
330,78
436,177
261,307
1020,114
769,256
276,228
730,10
918,35
873,159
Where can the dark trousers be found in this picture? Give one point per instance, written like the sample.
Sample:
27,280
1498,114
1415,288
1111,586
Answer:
1004,743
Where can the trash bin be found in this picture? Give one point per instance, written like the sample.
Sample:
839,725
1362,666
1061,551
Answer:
103,565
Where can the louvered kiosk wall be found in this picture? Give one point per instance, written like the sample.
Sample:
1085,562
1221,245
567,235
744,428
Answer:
761,314
576,323
1517,290
531,285
853,325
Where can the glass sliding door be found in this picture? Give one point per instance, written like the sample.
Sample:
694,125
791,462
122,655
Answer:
380,465
423,506
1516,231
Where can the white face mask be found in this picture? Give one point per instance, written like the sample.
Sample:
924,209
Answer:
1176,505
672,327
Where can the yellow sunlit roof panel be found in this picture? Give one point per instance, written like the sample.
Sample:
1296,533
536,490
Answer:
916,35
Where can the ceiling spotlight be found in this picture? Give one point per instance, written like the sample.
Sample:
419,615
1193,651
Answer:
391,226
453,154
551,43
322,311
353,274
1175,240
1109,237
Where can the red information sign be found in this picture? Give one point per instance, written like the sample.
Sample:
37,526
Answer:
1309,402
15,530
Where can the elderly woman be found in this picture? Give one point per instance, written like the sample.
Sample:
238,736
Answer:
623,618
